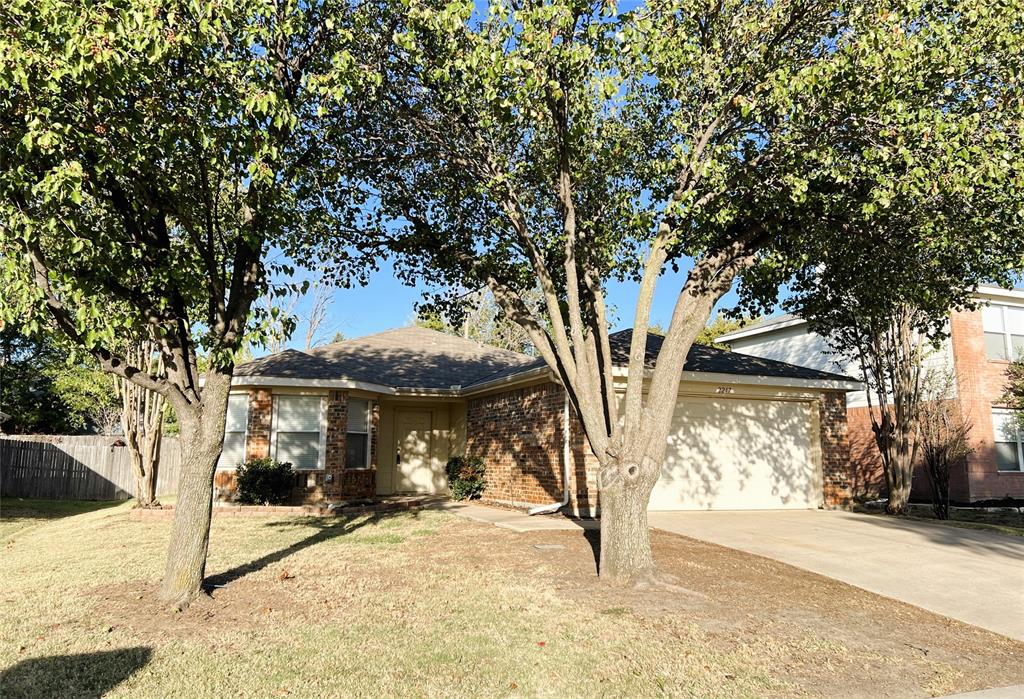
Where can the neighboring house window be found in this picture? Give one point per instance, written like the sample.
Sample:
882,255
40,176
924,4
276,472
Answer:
1004,331
357,439
1009,438
297,436
233,452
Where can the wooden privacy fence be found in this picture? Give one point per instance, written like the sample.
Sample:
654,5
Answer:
72,468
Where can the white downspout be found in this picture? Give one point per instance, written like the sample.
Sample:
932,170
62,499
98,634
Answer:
566,462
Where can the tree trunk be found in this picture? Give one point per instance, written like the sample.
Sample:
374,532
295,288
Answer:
899,496
202,437
625,537
145,488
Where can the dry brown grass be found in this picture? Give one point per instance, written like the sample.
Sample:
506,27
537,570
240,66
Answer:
425,604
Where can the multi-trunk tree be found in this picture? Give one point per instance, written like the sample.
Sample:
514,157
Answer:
151,153
142,419
560,145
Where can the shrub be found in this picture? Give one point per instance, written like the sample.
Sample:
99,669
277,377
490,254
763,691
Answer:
465,477
943,436
263,482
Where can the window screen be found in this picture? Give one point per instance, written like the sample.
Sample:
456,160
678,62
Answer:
1004,331
357,438
233,452
1009,454
296,435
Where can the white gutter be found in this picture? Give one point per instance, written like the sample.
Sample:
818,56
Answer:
310,383
567,461
752,380
514,378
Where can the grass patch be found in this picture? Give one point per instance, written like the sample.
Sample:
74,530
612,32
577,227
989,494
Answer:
1009,529
1010,523
18,514
423,604
324,619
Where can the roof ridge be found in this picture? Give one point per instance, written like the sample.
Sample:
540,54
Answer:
418,328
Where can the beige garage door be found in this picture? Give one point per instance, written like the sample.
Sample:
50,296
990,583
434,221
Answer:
733,454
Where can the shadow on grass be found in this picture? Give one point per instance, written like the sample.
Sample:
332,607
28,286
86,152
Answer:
593,537
79,675
34,508
327,528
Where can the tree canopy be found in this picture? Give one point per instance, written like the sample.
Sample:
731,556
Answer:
157,160
564,145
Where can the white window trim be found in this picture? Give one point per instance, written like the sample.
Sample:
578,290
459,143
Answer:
1020,442
368,432
1007,342
322,452
245,435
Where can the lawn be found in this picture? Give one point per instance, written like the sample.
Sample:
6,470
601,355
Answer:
17,514
1010,523
427,604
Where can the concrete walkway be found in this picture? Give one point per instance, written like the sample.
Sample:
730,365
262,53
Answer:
512,519
970,575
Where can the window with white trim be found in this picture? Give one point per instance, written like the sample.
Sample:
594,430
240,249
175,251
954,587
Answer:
1004,331
297,436
357,437
1009,440
233,452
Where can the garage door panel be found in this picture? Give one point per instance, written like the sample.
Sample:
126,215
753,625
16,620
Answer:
738,454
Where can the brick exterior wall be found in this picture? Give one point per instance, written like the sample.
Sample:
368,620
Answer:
980,384
867,481
837,475
335,482
519,434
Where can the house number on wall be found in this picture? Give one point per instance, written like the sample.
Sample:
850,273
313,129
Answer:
725,389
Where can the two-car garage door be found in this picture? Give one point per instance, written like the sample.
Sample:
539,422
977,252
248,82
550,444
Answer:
739,454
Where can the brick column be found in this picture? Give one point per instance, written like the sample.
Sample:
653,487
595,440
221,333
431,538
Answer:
835,450
374,432
334,459
257,442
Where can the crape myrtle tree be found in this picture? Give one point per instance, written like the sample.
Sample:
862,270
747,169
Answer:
936,244
562,144
151,153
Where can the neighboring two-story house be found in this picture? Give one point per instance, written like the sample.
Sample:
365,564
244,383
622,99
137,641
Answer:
980,346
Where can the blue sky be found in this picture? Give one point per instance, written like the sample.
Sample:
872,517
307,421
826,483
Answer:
387,303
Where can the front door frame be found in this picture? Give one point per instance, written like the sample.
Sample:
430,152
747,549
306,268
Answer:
402,484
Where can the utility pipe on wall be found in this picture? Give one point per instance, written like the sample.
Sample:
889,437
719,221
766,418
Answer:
566,461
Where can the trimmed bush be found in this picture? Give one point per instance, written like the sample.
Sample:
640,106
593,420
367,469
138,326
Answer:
465,477
263,482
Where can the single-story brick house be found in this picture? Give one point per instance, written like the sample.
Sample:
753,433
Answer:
382,414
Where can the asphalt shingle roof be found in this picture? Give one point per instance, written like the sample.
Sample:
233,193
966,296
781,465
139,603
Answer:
401,358
426,359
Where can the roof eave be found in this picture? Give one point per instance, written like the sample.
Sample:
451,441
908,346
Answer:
293,382
837,384
505,381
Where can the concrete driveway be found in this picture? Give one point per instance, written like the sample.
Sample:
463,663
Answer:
970,575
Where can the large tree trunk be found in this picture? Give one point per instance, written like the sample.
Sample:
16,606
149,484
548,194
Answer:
202,437
625,537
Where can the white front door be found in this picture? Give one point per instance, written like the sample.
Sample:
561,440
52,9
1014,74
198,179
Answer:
413,435
737,454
